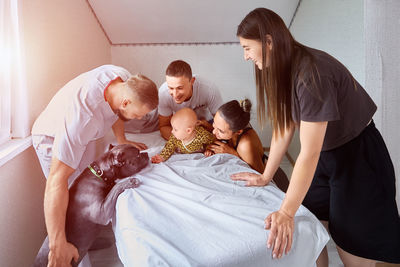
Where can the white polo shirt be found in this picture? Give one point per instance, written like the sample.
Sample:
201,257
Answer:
79,113
205,100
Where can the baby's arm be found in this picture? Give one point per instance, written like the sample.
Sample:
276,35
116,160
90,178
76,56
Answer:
167,151
209,139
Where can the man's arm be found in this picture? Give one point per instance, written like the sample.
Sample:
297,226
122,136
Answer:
206,125
165,126
119,132
214,100
55,209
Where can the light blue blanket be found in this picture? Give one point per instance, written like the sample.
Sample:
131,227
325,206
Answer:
188,212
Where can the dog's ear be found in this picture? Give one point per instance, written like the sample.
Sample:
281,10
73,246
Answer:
110,147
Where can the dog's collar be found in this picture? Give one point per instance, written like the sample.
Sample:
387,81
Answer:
96,171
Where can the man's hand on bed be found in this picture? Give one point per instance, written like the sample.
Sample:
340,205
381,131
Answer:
138,145
252,179
280,238
157,159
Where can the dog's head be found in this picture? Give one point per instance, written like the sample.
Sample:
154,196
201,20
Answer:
121,161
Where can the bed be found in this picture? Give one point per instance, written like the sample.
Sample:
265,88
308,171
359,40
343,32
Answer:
188,212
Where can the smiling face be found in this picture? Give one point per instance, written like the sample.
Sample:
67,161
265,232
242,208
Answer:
180,88
221,128
253,51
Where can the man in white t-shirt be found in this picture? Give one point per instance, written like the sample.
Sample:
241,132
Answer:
64,135
182,90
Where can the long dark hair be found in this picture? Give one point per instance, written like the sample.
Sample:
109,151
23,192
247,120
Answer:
275,83
236,114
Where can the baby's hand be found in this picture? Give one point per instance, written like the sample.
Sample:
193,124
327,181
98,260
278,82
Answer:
157,159
208,153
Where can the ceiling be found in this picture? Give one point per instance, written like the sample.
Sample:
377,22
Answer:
179,21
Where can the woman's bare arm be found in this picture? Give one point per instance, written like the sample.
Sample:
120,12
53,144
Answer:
278,148
281,222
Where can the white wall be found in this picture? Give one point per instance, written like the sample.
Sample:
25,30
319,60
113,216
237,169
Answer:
21,210
62,40
177,21
336,27
222,64
383,72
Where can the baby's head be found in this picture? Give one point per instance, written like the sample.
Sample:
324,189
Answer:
183,123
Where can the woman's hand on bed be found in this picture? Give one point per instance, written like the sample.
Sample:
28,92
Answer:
280,237
252,179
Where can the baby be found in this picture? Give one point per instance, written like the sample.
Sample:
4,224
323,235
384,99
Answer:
185,137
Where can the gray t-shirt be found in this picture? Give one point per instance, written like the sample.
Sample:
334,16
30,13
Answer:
340,100
205,100
147,124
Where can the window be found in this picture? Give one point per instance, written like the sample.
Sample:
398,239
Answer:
5,62
13,122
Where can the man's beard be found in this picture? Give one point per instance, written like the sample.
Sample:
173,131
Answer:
122,117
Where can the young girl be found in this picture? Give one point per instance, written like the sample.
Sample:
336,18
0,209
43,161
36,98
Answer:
344,172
